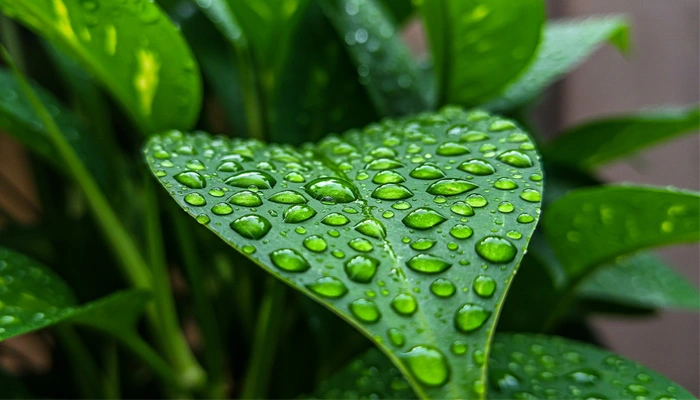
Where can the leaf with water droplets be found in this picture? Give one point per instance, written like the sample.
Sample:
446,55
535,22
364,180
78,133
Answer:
600,141
32,297
589,227
384,64
156,80
420,265
564,45
478,47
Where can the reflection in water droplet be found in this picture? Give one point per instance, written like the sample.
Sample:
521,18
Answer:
451,149
382,164
459,348
251,226
329,287
462,208
289,260
298,213
338,190
222,209
470,317
246,198
450,187
423,218
392,191
484,286
401,205
365,310
428,264
423,244
396,337
427,171
505,184
506,207
428,365
315,243
372,228
442,287
246,179
383,177
191,179
195,199
525,218
515,158
229,166
361,268
288,197
335,219
496,249
531,195
404,304
361,244
461,231
477,167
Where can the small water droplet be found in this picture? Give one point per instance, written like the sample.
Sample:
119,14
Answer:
423,218
401,205
471,317
335,219
315,243
477,200
531,195
462,208
229,166
383,177
584,376
365,310
506,207
459,348
294,177
361,268
477,167
427,171
396,337
246,198
251,226
505,184
496,249
404,304
461,231
222,209
298,213
195,165
484,285
428,264
203,219
289,260
372,228
442,287
392,191
288,197
423,244
382,164
361,245
501,125
515,158
525,218
451,149
329,287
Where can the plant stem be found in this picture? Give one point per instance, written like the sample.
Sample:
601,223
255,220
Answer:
213,345
84,369
111,379
265,341
151,358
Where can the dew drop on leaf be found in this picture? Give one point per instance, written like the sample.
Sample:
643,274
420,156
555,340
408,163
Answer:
442,287
505,184
484,286
246,179
423,218
428,365
477,167
288,197
496,249
289,260
470,317
195,199
315,243
365,310
515,158
251,226
372,228
246,198
191,179
335,219
428,264
404,304
450,187
361,245
423,244
340,191
531,195
383,177
392,191
329,287
427,171
298,213
361,268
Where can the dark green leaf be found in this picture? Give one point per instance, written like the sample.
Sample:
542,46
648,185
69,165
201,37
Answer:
590,227
156,80
600,141
478,47
647,282
32,297
538,366
565,44
410,263
385,66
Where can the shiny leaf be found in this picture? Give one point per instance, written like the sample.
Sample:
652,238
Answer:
387,227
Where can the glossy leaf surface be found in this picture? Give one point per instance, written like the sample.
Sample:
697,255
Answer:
538,366
600,141
32,297
589,227
647,280
384,63
478,47
410,229
565,44
156,80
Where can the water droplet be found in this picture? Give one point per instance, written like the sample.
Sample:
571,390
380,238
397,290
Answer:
382,164
474,136
388,177
525,218
404,304
514,235
335,219
361,244
484,286
401,205
191,179
203,219
515,158
229,166
338,190
584,376
423,244
428,264
461,231
471,317
462,208
428,365
477,167
372,228
195,199
477,200
396,337
392,191
251,226
531,195
450,187
329,287
217,192
361,175
506,207
505,184
427,171
315,243
637,389
338,253
249,249
298,213
222,209
289,260
246,179
195,165
365,310
459,348
496,249
423,218
442,287
288,197
294,177
451,149
246,198
501,125
536,177
361,268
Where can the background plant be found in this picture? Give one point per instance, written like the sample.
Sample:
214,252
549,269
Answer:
408,230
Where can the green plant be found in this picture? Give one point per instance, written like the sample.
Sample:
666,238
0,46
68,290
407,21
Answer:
409,230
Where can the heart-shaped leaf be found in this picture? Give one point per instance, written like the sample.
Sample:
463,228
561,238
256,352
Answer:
411,229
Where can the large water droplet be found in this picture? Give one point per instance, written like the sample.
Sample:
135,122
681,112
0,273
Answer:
442,287
423,244
195,199
392,191
462,208
496,249
506,207
423,218
461,231
476,200
289,260
396,337
531,195
288,197
515,158
388,177
471,317
365,310
361,268
451,149
246,179
484,286
191,179
382,164
450,187
298,213
585,376
428,365
477,167
329,287
372,228
404,304
335,219
361,244
505,184
340,191
222,209
246,198
251,226
427,171
428,264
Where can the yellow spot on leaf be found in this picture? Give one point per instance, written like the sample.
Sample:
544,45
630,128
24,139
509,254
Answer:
146,79
63,20
110,39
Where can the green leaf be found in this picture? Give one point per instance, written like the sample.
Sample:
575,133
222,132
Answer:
32,297
538,366
478,47
647,282
597,142
12,388
400,10
384,64
565,44
408,261
590,227
156,80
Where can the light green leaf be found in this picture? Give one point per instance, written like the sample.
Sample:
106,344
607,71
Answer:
647,282
478,47
32,297
538,366
386,67
565,44
590,227
419,262
600,141
156,80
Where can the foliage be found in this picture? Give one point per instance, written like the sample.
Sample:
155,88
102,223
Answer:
401,237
